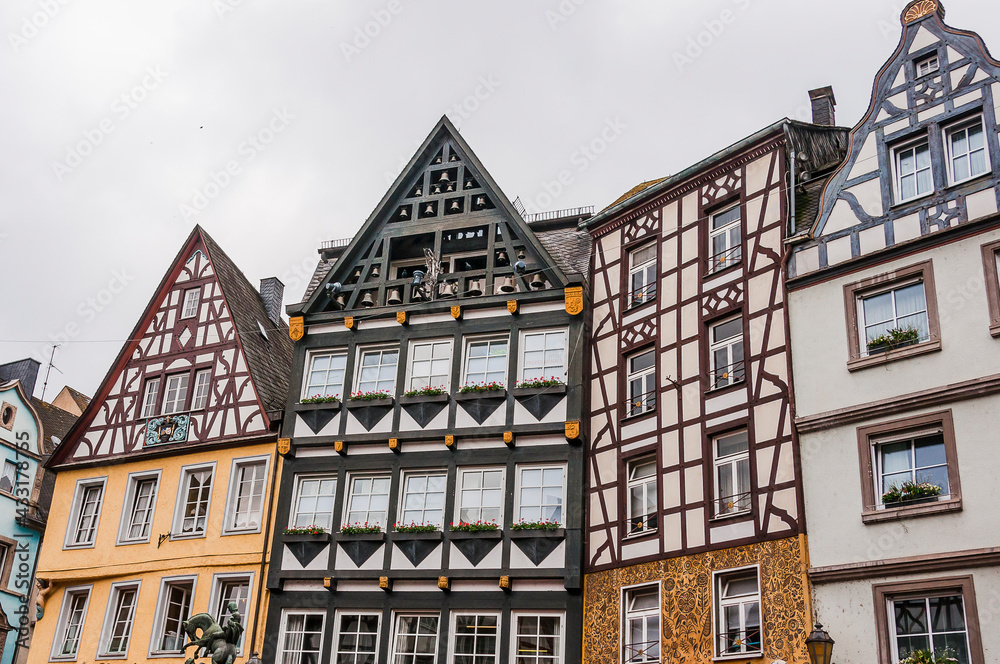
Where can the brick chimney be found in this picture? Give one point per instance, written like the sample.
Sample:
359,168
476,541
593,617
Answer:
823,103
272,291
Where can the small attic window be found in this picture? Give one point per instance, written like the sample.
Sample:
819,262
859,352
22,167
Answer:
263,332
927,65
7,413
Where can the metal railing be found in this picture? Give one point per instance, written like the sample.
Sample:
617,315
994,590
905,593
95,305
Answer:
724,259
734,504
640,403
733,642
642,295
645,651
557,214
334,244
642,524
728,375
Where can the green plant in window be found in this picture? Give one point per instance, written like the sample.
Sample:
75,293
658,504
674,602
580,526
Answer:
897,337
942,656
910,491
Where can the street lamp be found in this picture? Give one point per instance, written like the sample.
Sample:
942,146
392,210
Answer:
820,645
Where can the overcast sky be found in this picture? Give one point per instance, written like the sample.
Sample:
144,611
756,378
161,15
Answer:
121,118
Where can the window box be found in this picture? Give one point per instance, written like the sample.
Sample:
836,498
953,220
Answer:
531,391
364,403
476,534
397,535
310,407
489,394
909,510
307,537
886,346
370,412
361,537
557,533
425,398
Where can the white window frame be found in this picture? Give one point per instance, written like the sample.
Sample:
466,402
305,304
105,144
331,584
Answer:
73,526
299,479
733,253
891,617
731,460
188,302
426,473
453,633
647,291
517,488
128,506
311,357
897,177
202,390
877,441
489,340
411,358
728,343
413,614
215,597
10,473
642,483
459,484
362,351
627,615
173,407
335,649
717,613
644,402
285,613
151,397
891,288
232,495
160,616
521,350
181,502
965,125
349,493
926,59
69,595
560,656
111,619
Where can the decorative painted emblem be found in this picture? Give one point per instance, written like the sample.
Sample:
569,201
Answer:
296,328
401,317
394,444
512,306
327,581
508,437
505,582
349,322
918,10
456,312
573,430
449,441
338,446
574,300
443,582
167,429
284,445
383,582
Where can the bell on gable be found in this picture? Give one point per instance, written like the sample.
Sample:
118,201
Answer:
367,300
444,177
506,285
403,213
446,289
453,157
375,273
394,297
450,187
537,282
429,209
355,276
436,189
417,295
481,201
455,207
502,258
340,301
469,184
419,191
475,288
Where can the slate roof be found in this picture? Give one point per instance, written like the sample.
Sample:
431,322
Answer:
322,269
569,248
25,371
635,190
56,423
269,359
81,399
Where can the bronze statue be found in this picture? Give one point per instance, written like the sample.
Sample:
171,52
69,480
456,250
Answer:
220,642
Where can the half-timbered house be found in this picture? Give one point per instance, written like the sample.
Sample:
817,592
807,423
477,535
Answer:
164,483
895,318
695,534
431,506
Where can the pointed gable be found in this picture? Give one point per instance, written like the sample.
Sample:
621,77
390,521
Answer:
445,203
204,364
904,177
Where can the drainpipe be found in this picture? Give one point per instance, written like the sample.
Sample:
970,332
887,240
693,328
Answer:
791,218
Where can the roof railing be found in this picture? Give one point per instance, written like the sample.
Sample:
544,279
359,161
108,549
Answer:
333,244
558,214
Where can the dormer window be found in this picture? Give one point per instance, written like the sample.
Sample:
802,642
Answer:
926,65
912,166
191,299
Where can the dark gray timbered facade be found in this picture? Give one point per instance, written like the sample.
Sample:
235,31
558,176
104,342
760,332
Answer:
435,430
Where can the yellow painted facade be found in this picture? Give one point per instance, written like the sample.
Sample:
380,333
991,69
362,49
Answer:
108,563
687,602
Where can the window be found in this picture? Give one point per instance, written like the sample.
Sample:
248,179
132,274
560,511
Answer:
368,501
6,546
967,155
193,501
314,497
737,612
543,355
641,383
246,495
641,495
916,459
430,365
202,381
481,495
486,361
913,176
70,626
900,308
357,638
475,638
641,628
118,621
724,239
726,353
926,65
326,375
85,513
8,479
642,275
537,639
930,614
176,393
540,494
231,588
991,267
415,640
423,499
173,608
301,638
732,473
140,502
191,300
151,397
378,371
